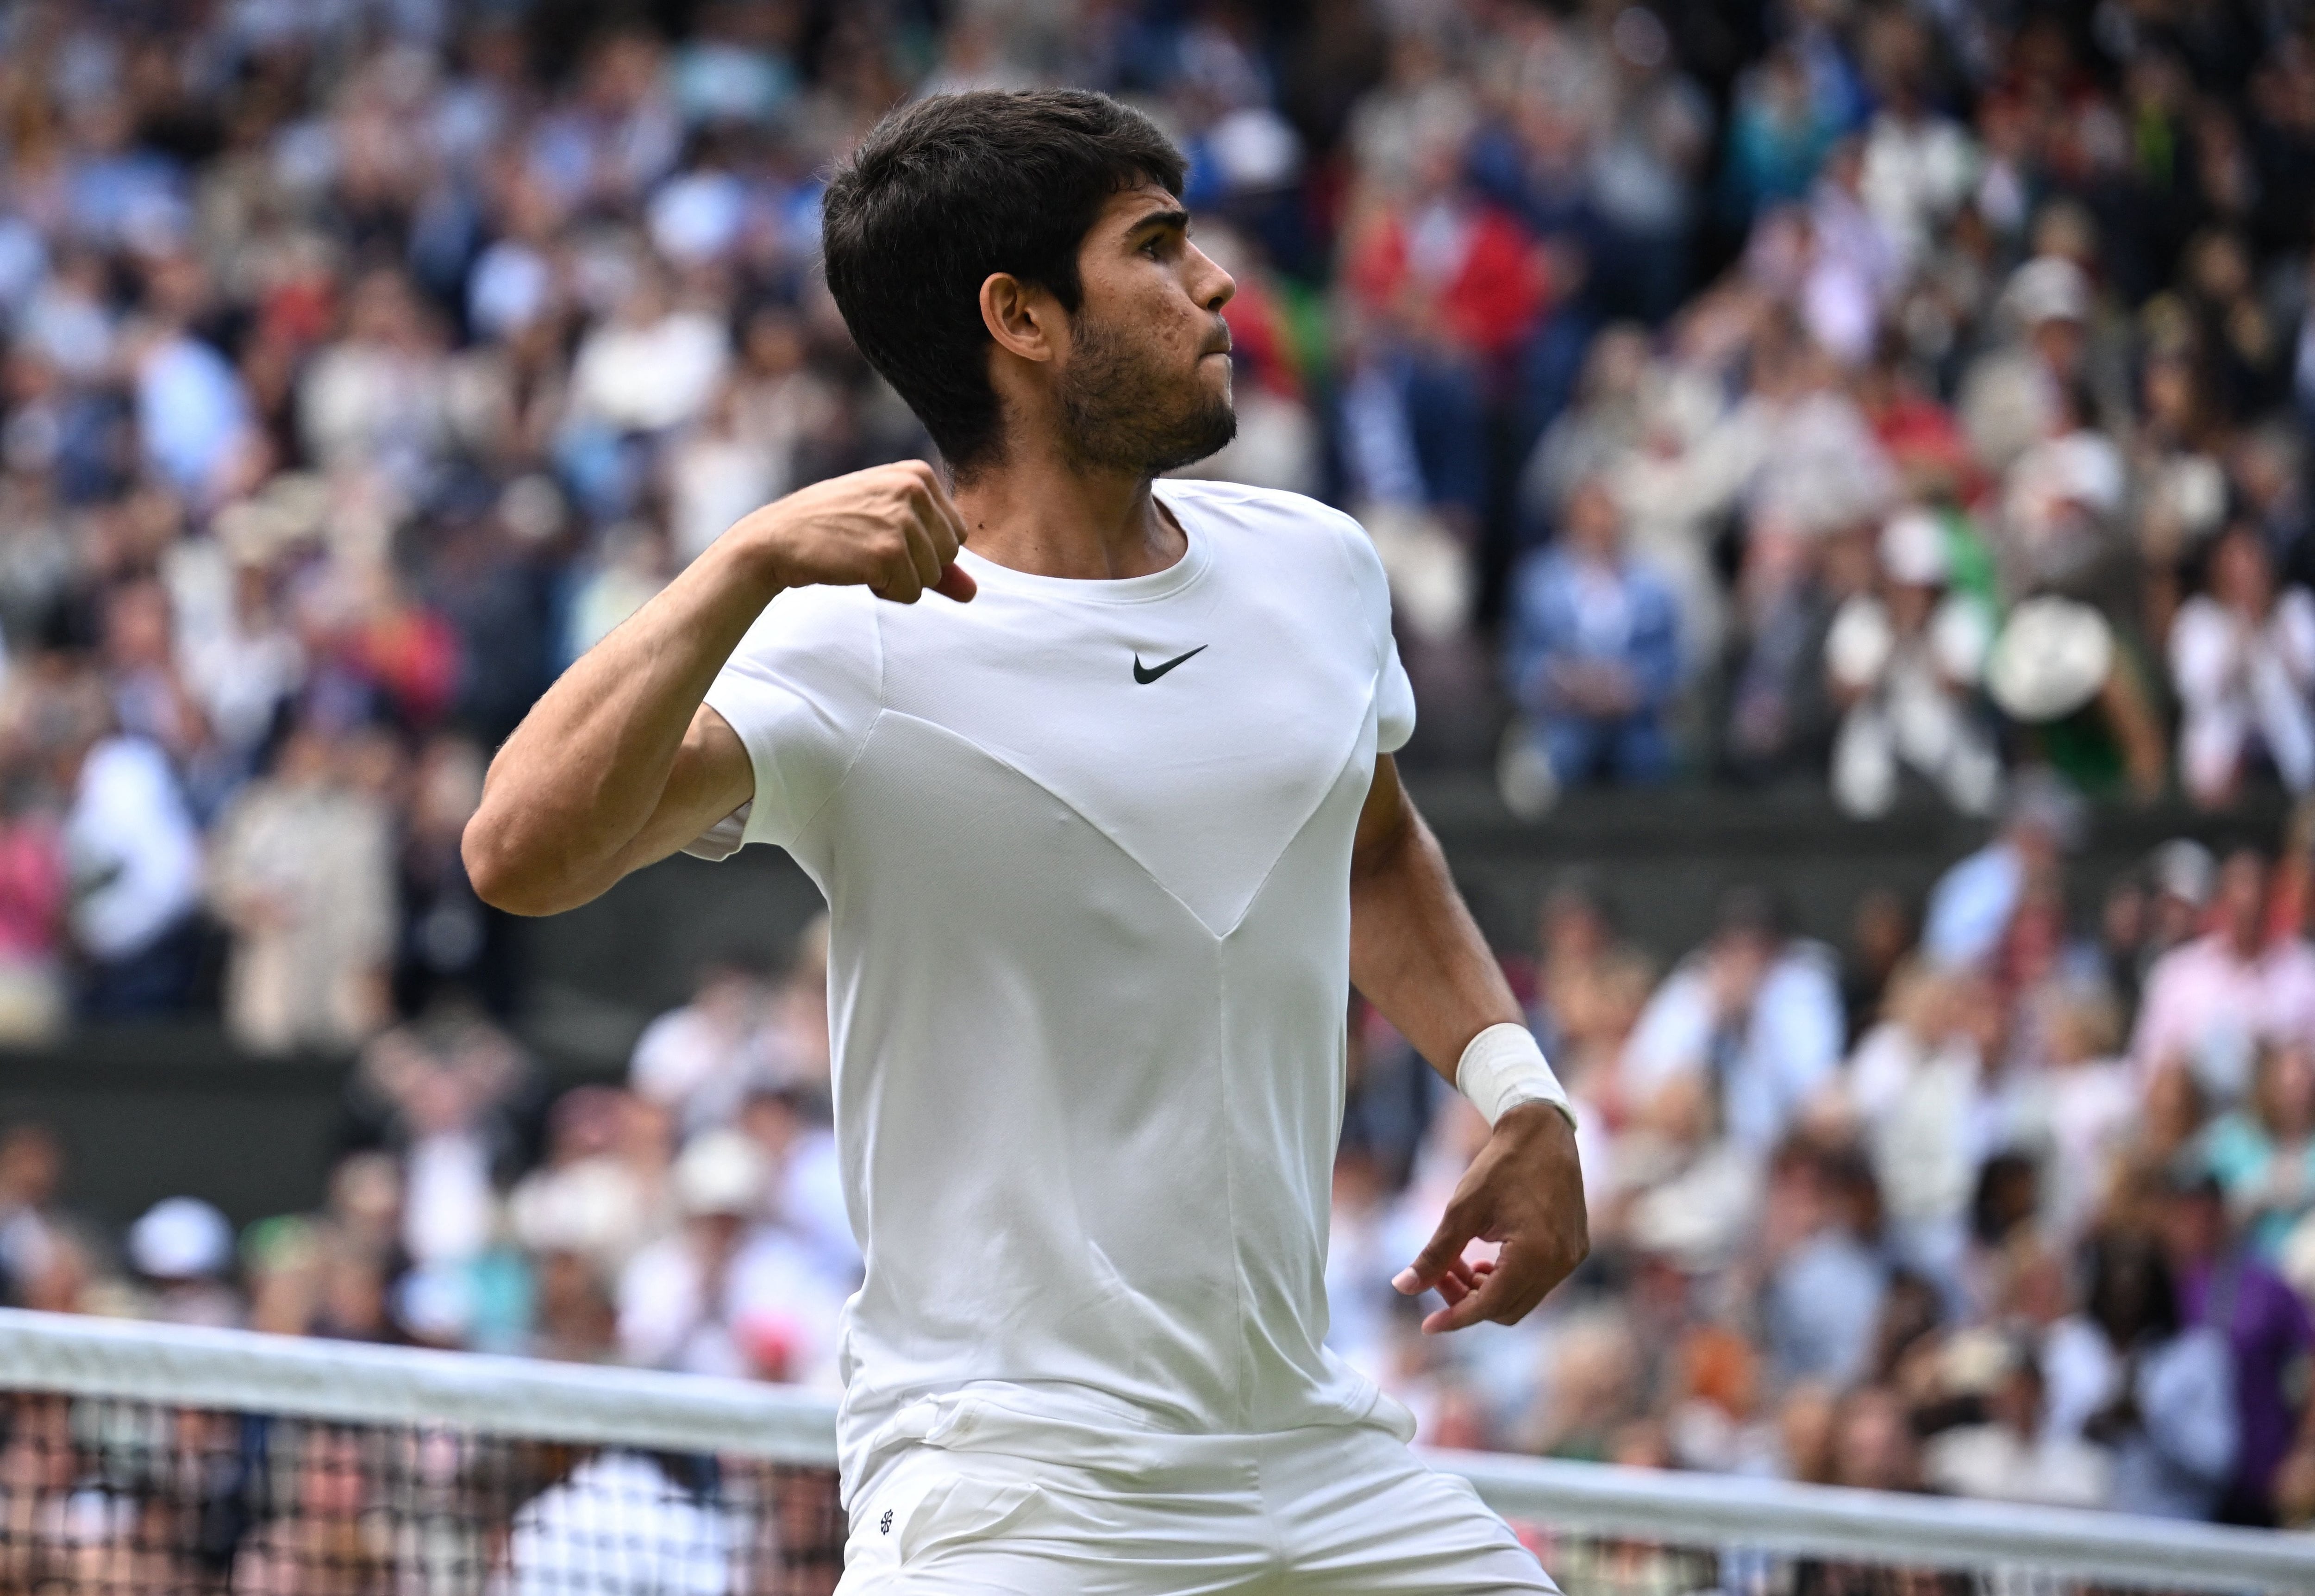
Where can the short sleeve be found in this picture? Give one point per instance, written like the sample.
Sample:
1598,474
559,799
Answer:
1394,704
802,691
1394,694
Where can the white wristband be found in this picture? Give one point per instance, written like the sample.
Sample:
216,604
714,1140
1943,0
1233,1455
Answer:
1503,1068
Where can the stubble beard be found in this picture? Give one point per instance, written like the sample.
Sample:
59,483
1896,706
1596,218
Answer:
1119,413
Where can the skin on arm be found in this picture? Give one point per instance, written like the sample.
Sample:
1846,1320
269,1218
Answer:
1418,956
620,763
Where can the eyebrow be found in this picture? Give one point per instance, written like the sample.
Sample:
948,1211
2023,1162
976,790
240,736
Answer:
1172,216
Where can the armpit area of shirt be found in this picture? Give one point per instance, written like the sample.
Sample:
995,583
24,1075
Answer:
721,840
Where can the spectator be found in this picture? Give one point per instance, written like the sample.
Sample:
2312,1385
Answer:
2011,395
699,1061
31,1227
184,1248
2077,1102
2242,661
577,1321
376,399
626,1521
1975,902
2263,1153
193,415
1918,1084
2210,1003
1443,281
2012,1455
33,910
134,859
601,1194
1882,935
1754,1014
450,943
2229,1289
1905,663
725,1294
1820,1298
447,1090
1595,651
2155,1391
806,1199
301,871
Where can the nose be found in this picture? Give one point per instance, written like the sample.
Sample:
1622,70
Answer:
1220,287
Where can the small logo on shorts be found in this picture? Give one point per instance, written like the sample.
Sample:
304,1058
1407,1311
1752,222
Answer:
884,1524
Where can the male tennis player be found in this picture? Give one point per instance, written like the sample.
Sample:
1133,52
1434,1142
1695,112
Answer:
1105,828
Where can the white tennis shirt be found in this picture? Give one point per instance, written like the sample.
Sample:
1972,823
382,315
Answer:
1086,850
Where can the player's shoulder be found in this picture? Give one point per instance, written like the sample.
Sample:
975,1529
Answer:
826,613
1273,510
822,632
1275,523
1272,536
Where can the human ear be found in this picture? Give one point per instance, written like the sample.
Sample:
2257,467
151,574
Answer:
1019,318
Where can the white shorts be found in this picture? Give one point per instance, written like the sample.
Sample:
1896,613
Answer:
1343,1511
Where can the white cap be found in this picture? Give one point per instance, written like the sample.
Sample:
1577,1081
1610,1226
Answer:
2051,657
2183,868
181,1239
1913,550
2048,288
722,1171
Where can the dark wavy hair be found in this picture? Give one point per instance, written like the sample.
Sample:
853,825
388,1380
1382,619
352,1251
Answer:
945,191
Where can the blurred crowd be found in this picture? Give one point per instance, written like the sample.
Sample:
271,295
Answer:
2001,1198
1869,397
1994,1201
690,1218
1875,396
1955,427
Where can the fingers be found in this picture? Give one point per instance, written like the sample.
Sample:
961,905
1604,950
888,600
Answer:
944,509
1460,1281
898,578
1503,1292
915,562
939,531
1441,1254
923,551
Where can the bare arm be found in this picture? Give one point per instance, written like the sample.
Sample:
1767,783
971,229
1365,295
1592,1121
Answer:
620,763
1418,956
1416,952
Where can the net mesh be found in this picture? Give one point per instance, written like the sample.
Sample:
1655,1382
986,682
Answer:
101,1495
104,1495
114,1494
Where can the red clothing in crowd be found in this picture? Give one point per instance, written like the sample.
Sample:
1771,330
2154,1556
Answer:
1486,302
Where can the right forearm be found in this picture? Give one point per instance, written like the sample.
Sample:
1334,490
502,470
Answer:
588,767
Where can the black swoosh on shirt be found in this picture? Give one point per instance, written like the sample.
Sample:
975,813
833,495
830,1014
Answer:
1146,674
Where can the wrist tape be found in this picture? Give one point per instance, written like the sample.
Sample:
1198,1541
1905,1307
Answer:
1503,1068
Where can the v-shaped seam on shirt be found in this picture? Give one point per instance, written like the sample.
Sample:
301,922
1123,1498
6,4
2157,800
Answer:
1104,833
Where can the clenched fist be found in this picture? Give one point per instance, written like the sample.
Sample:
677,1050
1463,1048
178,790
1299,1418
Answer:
891,529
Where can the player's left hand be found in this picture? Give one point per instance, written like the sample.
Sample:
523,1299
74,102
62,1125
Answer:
1525,1190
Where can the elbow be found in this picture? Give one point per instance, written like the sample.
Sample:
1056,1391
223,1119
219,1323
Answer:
499,873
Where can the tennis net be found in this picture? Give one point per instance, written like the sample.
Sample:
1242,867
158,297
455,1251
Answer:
149,1458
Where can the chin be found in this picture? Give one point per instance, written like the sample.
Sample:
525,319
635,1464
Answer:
1203,434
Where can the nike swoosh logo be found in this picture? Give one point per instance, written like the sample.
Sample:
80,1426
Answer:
1145,674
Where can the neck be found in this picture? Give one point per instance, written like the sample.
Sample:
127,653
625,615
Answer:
1051,516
